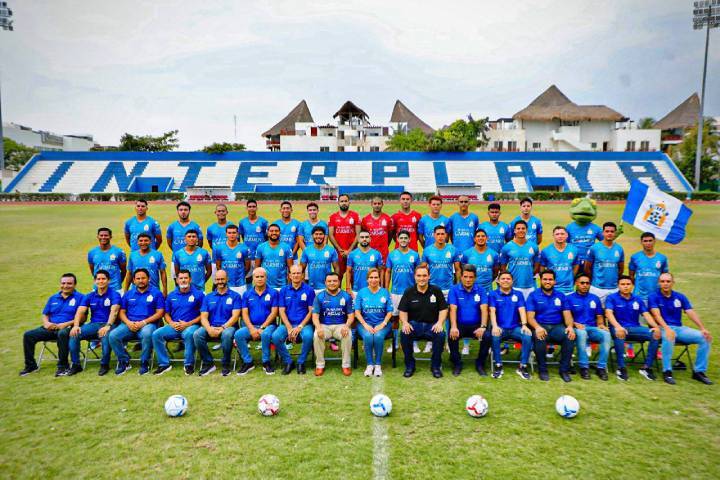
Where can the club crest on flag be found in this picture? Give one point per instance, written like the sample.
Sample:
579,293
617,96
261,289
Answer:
651,210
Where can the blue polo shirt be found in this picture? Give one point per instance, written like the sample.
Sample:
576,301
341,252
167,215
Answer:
259,305
373,306
61,310
548,308
361,262
506,307
671,308
176,234
153,262
100,305
274,261
402,269
484,263
463,230
647,272
232,260
497,234
534,227
216,234
306,229
289,231
219,307
426,227
520,261
183,307
605,264
627,311
585,308
109,260
195,263
133,227
253,233
296,302
562,263
441,263
319,263
467,303
333,309
583,237
139,306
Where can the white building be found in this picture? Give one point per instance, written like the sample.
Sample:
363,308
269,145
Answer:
43,140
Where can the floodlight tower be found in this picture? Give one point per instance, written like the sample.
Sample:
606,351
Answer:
6,24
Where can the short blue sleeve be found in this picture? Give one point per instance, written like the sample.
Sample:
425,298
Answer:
316,305
452,297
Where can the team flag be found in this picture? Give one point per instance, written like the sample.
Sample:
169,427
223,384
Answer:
651,210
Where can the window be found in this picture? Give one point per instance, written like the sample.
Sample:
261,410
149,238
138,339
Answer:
341,149
536,145
498,145
644,146
630,146
341,134
374,149
593,145
512,146
324,149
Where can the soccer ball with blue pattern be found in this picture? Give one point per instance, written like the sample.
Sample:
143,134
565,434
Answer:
176,406
380,405
567,406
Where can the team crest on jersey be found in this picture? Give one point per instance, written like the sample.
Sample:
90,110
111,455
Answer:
471,224
292,229
617,254
557,302
107,302
191,298
199,257
71,302
414,220
258,229
146,227
636,306
593,304
514,298
502,229
532,251
238,255
433,299
477,297
570,256
534,227
383,223
303,297
228,301
112,256
412,259
326,254
677,303
448,255
489,258
281,253
383,300
342,302
589,232
152,259
656,214
372,258
351,221
267,297
149,298
657,264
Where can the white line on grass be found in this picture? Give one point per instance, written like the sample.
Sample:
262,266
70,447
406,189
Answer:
381,453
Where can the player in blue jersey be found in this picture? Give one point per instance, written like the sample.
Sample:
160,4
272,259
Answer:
295,301
521,257
290,228
667,307
605,263
359,261
583,237
194,259
646,266
561,258
534,225
108,257
443,260
426,225
259,320
495,230
332,317
485,260
149,259
217,232
252,229
141,223
462,224
400,275
176,231
318,259
373,311
305,238
233,257
275,257
468,318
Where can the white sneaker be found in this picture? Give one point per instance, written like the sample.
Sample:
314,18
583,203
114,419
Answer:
258,346
588,350
416,349
428,347
389,349
378,371
466,350
369,370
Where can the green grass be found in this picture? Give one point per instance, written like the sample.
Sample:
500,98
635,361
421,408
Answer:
91,427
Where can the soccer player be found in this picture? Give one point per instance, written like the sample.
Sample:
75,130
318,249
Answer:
359,261
443,261
219,314
104,305
290,228
252,229
344,227
108,257
149,259
306,228
176,231
534,225
605,263
521,257
589,323
406,220
275,258
468,317
140,310
549,316
495,230
142,223
373,310
561,258
233,257
667,307
646,266
194,259
485,260
427,224
57,317
318,259
332,316
295,302
182,316
217,232
623,310
400,275
259,316
379,225
463,224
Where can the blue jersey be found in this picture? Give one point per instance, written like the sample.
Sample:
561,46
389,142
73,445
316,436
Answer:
647,272
427,224
153,262
467,303
139,306
253,233
289,232
306,229
333,309
133,227
583,237
520,261
232,260
274,261
507,307
442,265
671,308
585,308
562,263
496,234
463,230
259,305
627,311
296,302
109,260
176,234
534,228
216,234
195,263
184,306
373,306
484,263
605,264
100,305
402,269
220,306
319,263
61,310
361,262
548,308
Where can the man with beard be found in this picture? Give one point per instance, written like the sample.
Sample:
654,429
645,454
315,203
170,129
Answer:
318,259
108,257
150,260
142,223
359,262
275,258
379,226
344,227
194,259
406,220
176,231
233,257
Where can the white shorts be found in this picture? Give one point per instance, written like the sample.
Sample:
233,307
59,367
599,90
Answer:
525,291
602,293
445,294
395,302
241,289
212,275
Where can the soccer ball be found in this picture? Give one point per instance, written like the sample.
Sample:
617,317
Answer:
567,406
176,406
380,405
476,406
269,405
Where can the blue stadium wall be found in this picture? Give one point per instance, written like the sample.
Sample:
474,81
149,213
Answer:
82,172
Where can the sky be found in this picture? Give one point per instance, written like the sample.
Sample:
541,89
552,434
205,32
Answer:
146,67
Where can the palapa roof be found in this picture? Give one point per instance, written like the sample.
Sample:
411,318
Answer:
402,114
349,109
301,113
552,104
684,115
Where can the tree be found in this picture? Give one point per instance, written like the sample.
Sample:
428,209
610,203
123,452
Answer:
218,148
413,141
460,136
16,154
684,155
166,142
646,123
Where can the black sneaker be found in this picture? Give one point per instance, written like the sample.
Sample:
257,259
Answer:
498,371
268,368
162,369
480,370
522,370
246,368
122,368
585,373
104,369
457,370
225,370
668,378
61,372
602,374
74,369
544,376
288,368
206,369
622,374
436,372
702,378
189,369
28,370
144,369
301,369
565,377
409,372
647,372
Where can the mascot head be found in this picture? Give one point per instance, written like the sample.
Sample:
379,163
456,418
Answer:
583,210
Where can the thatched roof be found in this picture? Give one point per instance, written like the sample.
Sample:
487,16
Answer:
552,104
684,115
301,113
349,109
402,114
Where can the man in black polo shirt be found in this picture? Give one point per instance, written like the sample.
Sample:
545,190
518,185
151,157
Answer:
423,311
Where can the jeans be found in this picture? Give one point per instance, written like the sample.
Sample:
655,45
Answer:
422,331
280,336
201,337
242,337
31,337
466,331
592,334
689,336
163,334
635,334
373,343
122,334
512,334
89,332
555,335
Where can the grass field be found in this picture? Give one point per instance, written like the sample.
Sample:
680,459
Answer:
106,427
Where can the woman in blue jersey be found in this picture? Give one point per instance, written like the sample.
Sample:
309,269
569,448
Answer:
373,309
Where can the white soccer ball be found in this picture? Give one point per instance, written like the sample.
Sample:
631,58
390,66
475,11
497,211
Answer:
269,405
476,406
176,406
567,406
380,405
